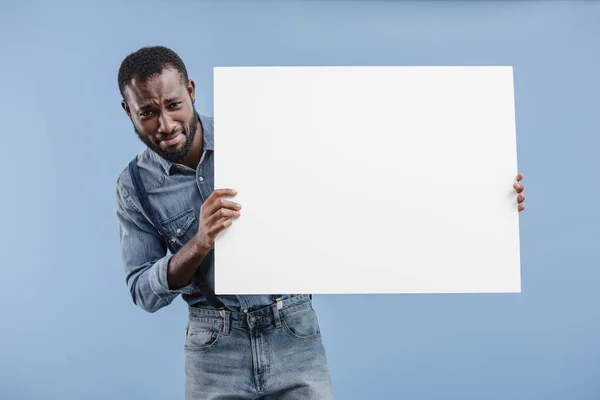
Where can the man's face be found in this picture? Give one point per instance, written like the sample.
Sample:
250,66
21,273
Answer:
163,114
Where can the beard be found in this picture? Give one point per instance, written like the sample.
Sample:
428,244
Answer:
178,154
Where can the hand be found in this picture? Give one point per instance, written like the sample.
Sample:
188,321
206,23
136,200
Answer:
216,215
519,189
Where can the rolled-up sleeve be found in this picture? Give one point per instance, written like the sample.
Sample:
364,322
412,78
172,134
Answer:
144,257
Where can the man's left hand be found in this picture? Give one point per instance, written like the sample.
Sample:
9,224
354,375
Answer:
519,189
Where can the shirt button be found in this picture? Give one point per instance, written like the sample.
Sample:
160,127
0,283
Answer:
178,230
252,319
201,179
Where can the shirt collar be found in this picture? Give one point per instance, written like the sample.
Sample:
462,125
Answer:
207,142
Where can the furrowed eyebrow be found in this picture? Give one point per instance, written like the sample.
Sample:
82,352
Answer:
146,107
150,106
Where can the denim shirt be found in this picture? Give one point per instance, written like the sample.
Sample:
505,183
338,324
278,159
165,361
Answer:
176,193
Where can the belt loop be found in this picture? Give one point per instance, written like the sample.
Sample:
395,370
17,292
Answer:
279,300
226,321
275,307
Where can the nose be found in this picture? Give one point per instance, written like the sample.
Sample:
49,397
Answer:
165,124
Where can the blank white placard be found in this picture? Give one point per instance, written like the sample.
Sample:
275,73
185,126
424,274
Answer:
367,180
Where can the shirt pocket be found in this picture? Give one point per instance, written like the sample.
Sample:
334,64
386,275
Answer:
181,227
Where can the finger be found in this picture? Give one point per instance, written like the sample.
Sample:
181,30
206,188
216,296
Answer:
521,207
518,187
220,227
519,176
222,203
224,192
521,197
222,213
220,193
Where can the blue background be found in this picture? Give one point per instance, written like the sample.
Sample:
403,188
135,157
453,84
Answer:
69,329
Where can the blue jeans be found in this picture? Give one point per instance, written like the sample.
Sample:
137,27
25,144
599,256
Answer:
271,353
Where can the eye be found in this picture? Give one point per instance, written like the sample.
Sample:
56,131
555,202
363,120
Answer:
145,113
175,104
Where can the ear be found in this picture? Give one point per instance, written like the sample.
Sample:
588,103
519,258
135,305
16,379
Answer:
191,88
126,108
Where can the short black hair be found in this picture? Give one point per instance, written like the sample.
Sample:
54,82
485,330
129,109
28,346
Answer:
148,62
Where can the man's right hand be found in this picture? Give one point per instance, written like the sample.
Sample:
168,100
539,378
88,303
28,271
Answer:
216,215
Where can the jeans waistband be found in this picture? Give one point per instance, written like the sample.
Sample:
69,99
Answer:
263,316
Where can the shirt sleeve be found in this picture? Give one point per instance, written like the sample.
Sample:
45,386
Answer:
144,258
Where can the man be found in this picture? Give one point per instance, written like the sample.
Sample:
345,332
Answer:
236,347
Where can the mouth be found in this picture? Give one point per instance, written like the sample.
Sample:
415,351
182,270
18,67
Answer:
172,141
